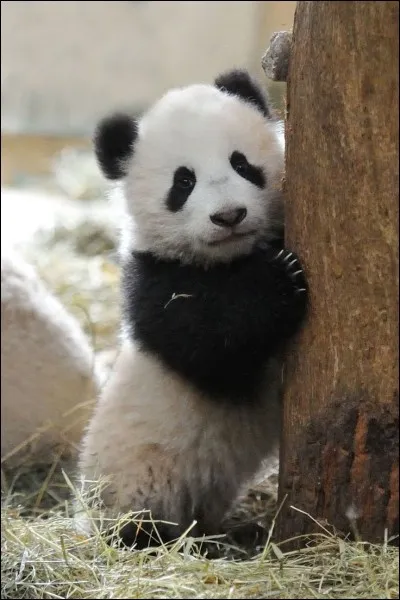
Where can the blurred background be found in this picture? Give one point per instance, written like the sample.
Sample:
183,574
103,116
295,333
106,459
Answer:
64,64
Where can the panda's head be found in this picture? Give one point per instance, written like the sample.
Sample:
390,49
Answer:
200,171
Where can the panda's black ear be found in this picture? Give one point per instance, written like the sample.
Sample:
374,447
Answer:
239,83
114,140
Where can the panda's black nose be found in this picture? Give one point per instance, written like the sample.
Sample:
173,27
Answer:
229,218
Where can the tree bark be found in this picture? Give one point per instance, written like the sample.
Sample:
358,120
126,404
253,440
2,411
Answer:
340,437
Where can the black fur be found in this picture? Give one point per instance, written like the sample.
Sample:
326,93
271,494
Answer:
141,533
216,326
182,186
246,170
114,140
239,83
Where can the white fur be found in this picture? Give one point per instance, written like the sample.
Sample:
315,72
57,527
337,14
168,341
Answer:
47,367
199,127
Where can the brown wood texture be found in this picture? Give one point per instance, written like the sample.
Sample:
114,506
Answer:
340,437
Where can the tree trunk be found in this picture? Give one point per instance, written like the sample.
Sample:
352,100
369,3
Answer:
340,440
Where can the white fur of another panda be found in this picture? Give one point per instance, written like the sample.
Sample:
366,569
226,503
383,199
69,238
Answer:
184,421
47,368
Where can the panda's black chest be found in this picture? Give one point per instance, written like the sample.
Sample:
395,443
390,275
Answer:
198,322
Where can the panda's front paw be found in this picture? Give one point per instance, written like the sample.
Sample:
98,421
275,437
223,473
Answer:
290,263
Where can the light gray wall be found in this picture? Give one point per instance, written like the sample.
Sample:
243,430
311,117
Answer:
65,63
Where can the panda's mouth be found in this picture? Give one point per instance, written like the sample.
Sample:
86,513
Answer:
232,237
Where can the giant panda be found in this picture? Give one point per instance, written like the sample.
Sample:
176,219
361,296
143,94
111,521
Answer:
210,300
48,371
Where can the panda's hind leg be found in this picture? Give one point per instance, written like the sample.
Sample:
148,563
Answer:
156,502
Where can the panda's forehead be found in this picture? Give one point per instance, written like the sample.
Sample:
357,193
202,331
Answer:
198,102
200,121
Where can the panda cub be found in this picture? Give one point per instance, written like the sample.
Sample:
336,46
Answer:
210,298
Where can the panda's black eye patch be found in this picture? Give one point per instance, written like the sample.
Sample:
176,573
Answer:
184,178
182,186
252,173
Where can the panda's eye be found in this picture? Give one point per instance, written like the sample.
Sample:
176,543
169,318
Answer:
184,179
251,173
183,183
239,162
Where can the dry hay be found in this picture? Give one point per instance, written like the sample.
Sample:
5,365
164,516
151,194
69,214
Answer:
44,557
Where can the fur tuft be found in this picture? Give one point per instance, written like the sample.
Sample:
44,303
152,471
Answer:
114,138
239,83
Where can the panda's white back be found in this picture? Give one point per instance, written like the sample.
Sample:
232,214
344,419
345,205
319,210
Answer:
47,368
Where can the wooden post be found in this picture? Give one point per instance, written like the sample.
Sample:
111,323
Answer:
340,440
